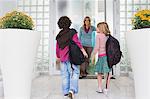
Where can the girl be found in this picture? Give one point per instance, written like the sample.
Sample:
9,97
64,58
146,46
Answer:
85,37
101,65
69,76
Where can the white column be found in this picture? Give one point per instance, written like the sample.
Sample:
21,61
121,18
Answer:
109,14
112,18
53,31
116,29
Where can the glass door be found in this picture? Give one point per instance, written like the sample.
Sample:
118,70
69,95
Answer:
76,10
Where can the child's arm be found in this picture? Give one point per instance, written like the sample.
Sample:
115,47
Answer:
97,46
80,34
76,40
57,50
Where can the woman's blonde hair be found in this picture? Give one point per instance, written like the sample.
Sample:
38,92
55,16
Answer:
87,17
103,26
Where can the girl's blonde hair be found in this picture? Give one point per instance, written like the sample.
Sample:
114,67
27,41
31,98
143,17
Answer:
103,26
87,17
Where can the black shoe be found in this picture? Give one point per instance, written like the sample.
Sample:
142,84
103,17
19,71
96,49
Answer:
83,76
66,96
80,77
86,73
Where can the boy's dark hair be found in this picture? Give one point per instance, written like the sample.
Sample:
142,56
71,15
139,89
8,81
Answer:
64,22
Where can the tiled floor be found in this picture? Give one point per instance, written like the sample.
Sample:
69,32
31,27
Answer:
49,87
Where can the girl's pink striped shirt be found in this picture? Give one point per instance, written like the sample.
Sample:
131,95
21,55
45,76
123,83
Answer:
100,45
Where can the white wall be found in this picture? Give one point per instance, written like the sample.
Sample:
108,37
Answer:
7,6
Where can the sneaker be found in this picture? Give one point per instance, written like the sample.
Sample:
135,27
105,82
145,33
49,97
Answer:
71,95
105,91
99,91
66,96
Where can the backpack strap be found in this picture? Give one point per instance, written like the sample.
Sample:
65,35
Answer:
107,80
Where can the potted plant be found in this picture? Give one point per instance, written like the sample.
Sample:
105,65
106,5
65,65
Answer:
141,19
16,19
18,47
138,43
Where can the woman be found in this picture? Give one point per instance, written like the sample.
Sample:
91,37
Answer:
85,36
70,74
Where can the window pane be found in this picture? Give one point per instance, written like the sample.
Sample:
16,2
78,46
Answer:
33,2
122,21
40,8
129,2
40,2
144,6
46,15
20,8
122,14
27,9
39,15
122,8
46,22
129,27
46,8
33,15
39,28
128,21
20,2
46,2
27,2
129,8
39,22
122,1
136,7
136,1
144,1
129,14
33,9
122,28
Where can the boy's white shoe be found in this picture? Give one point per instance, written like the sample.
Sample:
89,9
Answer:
105,91
71,95
66,96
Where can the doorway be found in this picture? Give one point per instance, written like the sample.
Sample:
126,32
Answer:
76,10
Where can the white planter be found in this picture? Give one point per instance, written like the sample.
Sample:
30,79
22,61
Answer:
138,42
1,89
18,49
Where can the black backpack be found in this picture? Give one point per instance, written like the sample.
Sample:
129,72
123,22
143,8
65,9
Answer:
75,54
113,51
